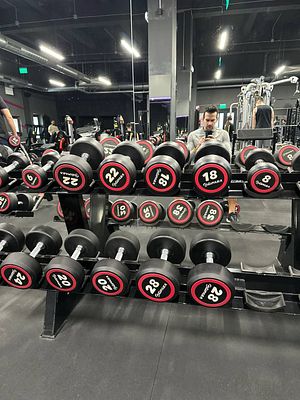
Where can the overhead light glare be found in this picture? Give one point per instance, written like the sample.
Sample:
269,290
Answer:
223,40
146,17
3,41
279,70
70,71
104,80
31,53
56,83
51,52
218,74
129,49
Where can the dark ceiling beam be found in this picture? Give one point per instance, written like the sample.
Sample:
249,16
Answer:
79,23
237,52
242,11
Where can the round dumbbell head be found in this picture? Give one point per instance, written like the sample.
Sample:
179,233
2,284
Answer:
285,154
90,146
20,158
180,212
210,285
210,242
170,240
243,154
110,277
162,174
5,151
211,175
52,156
8,202
173,150
133,151
127,240
109,143
158,280
186,151
14,141
48,151
296,162
73,173
122,210
21,271
50,238
147,148
263,178
60,211
117,173
209,213
3,177
34,176
85,238
212,147
64,274
13,236
25,202
150,212
258,154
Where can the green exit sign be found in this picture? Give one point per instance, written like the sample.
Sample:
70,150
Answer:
23,70
222,106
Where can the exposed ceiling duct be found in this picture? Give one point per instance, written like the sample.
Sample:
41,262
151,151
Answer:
12,46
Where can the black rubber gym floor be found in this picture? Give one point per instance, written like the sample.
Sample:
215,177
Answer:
136,349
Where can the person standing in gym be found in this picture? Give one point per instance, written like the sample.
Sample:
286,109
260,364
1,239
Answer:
208,131
5,115
229,126
262,117
52,129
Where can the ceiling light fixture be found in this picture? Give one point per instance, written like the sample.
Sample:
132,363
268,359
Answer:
279,70
51,52
54,82
223,40
129,49
218,74
104,80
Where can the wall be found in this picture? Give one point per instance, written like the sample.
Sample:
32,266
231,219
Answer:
15,104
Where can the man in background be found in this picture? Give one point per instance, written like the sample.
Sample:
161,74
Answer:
229,126
52,128
5,115
262,117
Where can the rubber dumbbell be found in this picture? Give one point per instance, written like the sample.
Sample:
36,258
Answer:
285,155
122,211
212,171
158,279
5,151
109,143
263,175
162,173
74,172
209,213
180,212
86,208
11,202
35,176
15,161
185,150
22,270
150,212
66,274
241,156
14,141
11,238
148,149
117,172
209,283
111,276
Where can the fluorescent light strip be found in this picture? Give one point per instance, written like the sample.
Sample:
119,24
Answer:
52,52
223,40
31,53
54,82
218,74
279,70
104,80
67,69
3,41
129,49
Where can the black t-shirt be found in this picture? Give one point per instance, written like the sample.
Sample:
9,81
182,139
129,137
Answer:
263,116
3,129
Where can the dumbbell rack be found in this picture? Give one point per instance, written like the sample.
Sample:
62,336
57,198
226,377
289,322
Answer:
282,282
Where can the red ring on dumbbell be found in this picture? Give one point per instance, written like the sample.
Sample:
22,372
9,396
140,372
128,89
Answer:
128,210
10,266
12,139
162,277
187,218
72,167
61,271
205,203
284,148
149,146
3,210
47,151
184,148
86,207
111,139
31,172
244,152
215,166
114,164
147,203
121,283
214,281
264,171
167,167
